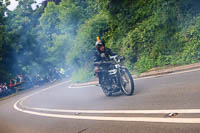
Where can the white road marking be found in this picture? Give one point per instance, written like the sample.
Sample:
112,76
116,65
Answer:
131,119
85,86
180,111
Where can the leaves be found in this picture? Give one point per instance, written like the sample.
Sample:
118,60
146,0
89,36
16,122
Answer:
149,33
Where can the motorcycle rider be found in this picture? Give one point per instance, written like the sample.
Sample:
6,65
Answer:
101,54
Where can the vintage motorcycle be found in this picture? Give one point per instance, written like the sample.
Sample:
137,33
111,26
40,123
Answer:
115,77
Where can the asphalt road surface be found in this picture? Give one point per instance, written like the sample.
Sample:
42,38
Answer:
59,108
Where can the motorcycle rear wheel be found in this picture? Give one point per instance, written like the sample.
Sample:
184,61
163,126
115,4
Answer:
127,83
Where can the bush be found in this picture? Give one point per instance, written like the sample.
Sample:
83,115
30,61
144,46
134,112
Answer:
83,47
143,64
82,75
189,38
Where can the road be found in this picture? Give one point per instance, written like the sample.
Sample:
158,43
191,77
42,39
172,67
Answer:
58,108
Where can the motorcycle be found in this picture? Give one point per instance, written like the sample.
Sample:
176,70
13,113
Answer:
115,77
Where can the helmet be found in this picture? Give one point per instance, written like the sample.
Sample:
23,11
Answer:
99,43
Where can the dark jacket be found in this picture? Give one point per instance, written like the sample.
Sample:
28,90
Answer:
103,56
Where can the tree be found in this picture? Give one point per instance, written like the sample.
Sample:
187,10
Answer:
5,57
45,2
149,33
21,27
83,48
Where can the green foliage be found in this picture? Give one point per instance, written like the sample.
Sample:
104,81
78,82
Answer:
61,44
82,51
82,75
49,19
70,16
151,38
145,63
189,38
149,33
5,57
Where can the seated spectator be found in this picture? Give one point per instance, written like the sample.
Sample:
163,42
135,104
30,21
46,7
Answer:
1,85
5,86
6,89
12,86
17,79
14,82
1,89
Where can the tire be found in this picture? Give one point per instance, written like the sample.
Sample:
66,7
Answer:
106,92
124,76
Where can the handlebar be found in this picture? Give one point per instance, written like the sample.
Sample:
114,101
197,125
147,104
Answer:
114,59
103,62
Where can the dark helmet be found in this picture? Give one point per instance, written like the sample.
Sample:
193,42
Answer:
99,43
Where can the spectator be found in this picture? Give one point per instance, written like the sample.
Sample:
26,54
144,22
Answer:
5,86
14,82
5,89
20,78
8,91
25,82
1,85
17,79
12,86
1,90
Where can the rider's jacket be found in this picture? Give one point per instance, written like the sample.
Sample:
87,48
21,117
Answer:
103,56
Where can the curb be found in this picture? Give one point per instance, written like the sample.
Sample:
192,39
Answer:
152,72
160,71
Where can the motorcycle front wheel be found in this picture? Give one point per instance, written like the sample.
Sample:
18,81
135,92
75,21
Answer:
126,81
